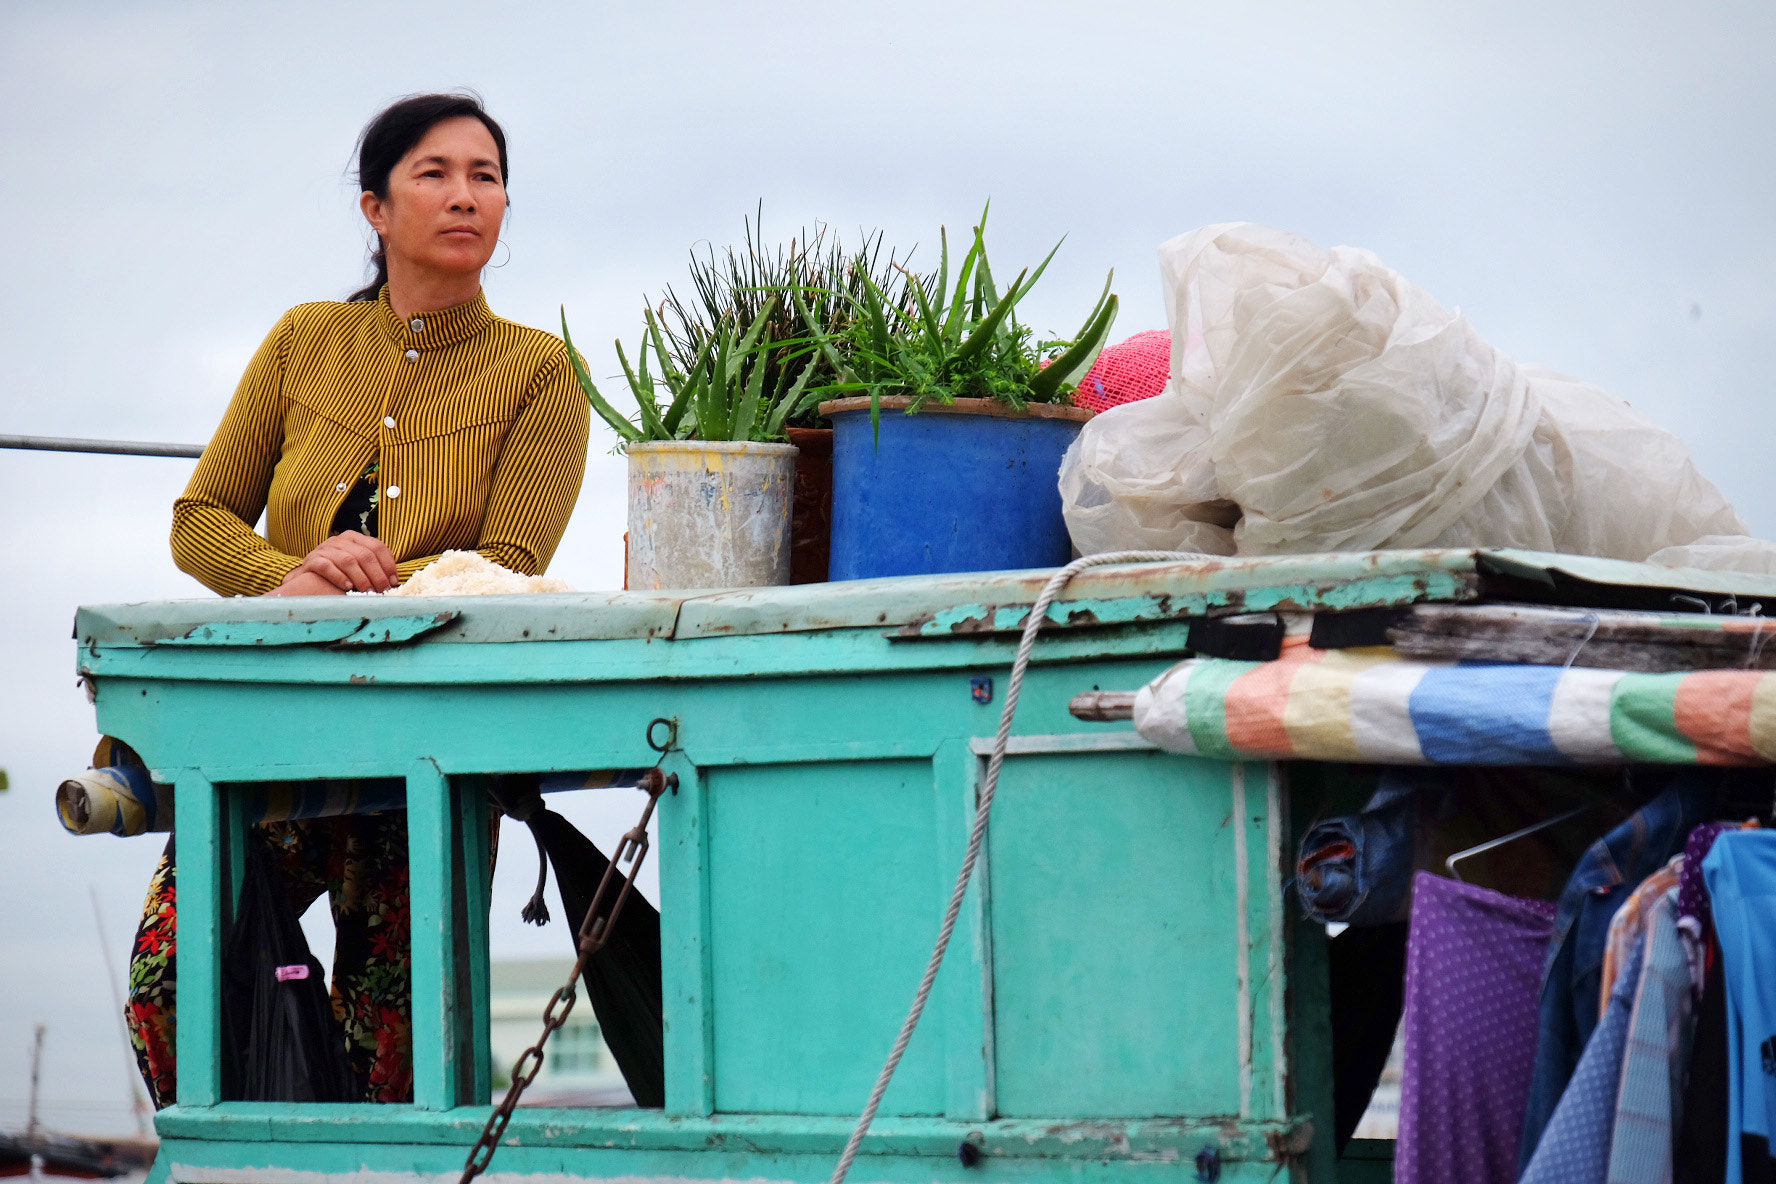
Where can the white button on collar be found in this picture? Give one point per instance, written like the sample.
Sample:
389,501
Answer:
341,487
388,421
394,491
413,355
417,324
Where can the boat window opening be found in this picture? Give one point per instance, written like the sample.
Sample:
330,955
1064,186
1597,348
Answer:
1382,1119
317,927
527,963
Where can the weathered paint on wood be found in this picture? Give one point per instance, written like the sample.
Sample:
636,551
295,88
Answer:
473,871
431,833
1646,643
1123,953
198,817
687,986
344,631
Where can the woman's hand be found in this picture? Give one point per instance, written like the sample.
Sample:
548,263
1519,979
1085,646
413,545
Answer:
347,562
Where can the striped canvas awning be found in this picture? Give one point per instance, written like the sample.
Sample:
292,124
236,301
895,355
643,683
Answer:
1372,706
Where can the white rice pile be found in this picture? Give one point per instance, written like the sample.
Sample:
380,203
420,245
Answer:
469,573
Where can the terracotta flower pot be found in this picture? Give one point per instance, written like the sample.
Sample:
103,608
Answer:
810,529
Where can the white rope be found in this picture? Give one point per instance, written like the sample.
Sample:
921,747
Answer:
983,808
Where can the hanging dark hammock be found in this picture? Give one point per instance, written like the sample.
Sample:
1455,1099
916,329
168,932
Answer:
622,980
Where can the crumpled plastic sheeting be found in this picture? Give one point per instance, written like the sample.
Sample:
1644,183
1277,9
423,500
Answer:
1319,401
1721,553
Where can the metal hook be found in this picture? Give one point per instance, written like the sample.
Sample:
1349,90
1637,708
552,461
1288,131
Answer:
1531,829
671,735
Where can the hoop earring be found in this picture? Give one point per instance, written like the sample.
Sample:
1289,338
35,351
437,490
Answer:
507,259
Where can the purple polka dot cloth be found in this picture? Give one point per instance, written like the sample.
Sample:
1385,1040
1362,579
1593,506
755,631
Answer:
1692,895
1474,962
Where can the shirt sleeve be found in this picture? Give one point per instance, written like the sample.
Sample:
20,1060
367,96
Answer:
213,537
537,479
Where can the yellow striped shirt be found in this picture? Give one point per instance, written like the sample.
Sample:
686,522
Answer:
477,424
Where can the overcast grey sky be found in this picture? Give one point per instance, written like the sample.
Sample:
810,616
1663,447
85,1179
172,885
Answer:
1590,183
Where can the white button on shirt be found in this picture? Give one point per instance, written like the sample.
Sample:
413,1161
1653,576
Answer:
388,421
341,487
394,491
413,355
417,325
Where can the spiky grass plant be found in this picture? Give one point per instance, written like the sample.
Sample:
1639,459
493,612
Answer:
720,395
963,342
735,359
742,285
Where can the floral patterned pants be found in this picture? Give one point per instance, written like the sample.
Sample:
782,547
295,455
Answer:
360,862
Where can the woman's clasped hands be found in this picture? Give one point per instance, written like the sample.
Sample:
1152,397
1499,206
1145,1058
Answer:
346,562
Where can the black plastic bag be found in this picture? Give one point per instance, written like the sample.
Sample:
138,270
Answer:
281,1040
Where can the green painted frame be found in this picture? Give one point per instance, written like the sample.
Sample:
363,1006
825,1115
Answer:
445,710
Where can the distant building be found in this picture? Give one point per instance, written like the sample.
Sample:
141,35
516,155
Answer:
577,1067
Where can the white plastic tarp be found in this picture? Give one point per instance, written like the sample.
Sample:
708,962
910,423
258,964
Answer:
1319,401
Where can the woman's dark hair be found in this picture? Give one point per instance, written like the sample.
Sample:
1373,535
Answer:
392,135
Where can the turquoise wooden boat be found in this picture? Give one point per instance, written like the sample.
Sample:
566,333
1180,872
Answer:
1128,987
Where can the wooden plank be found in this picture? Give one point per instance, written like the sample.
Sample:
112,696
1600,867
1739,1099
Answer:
1310,1091
1645,643
380,729
1264,928
962,999
1116,989
385,1138
198,817
1106,741
1103,706
394,630
265,633
798,654
431,876
822,912
472,816
684,942
1337,593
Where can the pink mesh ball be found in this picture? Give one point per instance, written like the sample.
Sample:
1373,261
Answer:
1130,370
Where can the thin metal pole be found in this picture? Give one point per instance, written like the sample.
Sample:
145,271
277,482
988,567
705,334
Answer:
108,447
132,1078
1525,832
36,1070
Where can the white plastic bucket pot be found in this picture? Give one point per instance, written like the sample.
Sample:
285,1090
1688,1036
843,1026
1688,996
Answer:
709,514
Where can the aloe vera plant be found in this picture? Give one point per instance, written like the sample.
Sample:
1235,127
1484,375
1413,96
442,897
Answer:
963,341
741,284
721,393
735,360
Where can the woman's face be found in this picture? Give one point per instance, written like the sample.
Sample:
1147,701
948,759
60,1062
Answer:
446,201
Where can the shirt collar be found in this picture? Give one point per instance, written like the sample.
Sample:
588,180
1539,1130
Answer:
445,326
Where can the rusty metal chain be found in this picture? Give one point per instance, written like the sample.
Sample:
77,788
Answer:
594,931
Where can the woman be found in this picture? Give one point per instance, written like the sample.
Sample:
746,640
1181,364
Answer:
374,434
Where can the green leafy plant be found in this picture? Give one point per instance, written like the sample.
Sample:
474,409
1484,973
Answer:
720,395
757,279
734,359
960,342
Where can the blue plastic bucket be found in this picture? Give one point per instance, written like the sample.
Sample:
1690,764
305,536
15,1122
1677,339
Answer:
965,487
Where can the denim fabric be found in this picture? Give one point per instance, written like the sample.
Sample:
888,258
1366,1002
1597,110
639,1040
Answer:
1358,869
1572,987
1575,1148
